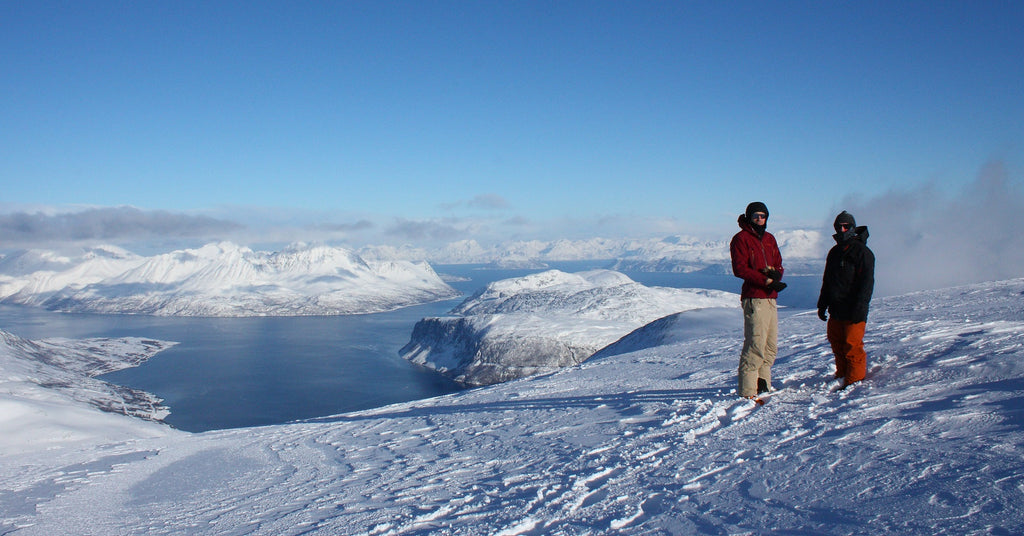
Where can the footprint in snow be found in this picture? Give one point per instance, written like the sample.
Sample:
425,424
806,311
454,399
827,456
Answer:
738,410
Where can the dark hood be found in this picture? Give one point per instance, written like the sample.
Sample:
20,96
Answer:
858,233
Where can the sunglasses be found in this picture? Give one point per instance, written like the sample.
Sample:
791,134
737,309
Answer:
844,226
758,216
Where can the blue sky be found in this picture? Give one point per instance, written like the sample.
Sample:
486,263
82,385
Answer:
433,121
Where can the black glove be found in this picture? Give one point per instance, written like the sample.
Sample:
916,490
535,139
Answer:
777,286
772,273
822,315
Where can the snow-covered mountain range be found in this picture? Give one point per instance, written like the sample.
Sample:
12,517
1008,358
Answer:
542,322
220,279
677,253
646,438
225,279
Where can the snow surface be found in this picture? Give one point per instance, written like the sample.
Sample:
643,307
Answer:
541,322
220,279
649,441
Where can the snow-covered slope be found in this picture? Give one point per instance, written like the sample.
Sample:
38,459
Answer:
49,395
542,322
228,280
650,441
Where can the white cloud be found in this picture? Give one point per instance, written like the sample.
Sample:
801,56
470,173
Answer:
110,224
489,202
431,231
925,239
480,202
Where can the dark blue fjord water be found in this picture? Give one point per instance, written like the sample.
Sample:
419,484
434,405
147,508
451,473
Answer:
238,372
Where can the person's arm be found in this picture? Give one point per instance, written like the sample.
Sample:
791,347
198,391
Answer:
741,265
865,284
824,297
778,258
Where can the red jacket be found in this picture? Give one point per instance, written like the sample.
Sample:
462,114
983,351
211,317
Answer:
752,254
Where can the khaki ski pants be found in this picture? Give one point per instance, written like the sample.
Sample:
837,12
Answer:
760,344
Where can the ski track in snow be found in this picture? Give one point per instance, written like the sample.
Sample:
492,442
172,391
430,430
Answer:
651,442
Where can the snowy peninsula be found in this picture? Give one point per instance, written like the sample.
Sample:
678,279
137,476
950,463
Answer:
222,280
646,438
49,393
543,322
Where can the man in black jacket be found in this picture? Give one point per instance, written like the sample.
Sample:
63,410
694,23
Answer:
846,289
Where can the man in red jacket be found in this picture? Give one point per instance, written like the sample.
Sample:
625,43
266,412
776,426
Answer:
757,261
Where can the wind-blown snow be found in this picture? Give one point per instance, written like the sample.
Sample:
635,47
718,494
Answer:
221,280
542,322
650,441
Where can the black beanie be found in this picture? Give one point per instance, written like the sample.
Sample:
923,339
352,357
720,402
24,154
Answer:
756,206
844,217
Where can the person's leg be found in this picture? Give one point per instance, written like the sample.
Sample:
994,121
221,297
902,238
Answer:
856,357
752,355
837,338
769,312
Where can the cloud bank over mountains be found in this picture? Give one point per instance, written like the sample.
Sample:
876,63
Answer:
109,224
924,236
925,239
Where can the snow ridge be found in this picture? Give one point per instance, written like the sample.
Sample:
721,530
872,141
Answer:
543,322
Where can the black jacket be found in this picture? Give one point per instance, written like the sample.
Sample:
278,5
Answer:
849,277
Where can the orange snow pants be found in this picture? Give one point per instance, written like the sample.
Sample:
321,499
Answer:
847,339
